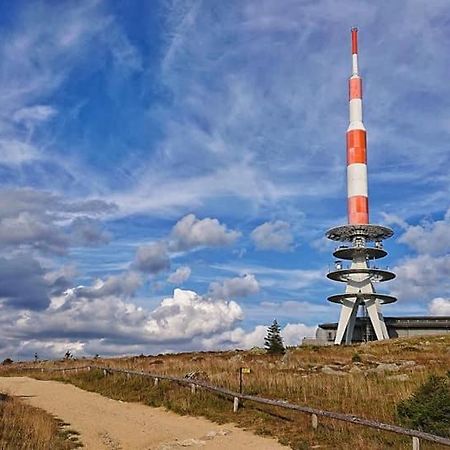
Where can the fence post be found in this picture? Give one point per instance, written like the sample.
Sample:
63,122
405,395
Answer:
104,372
89,368
314,421
415,443
235,404
128,375
42,370
192,388
156,381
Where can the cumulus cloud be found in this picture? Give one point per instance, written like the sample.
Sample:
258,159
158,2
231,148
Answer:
239,338
22,283
293,333
275,235
439,307
191,232
94,319
421,278
180,275
429,237
122,285
48,222
235,287
152,258
85,231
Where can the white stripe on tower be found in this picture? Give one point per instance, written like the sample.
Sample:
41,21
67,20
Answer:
357,192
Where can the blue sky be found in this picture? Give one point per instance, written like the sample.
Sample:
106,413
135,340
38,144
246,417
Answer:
151,146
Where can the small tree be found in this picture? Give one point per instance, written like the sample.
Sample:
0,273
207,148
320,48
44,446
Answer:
273,342
428,409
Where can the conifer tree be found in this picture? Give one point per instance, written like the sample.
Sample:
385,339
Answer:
273,342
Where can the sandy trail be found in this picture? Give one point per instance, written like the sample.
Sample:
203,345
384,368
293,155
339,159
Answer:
104,423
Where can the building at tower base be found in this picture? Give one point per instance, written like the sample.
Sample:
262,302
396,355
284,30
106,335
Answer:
397,327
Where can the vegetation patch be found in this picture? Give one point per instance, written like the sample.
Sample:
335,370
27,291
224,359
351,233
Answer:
23,427
428,409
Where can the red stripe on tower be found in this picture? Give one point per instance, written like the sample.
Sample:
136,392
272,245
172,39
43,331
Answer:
357,191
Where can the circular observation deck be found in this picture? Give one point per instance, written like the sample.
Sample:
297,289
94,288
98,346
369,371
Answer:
375,275
383,298
349,253
369,232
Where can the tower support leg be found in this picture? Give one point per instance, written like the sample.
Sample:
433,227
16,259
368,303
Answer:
377,320
346,311
351,324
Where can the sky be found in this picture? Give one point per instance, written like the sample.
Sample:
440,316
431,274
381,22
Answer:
169,168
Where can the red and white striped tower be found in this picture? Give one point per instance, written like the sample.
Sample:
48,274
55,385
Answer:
361,275
357,192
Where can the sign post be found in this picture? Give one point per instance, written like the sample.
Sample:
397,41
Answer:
242,370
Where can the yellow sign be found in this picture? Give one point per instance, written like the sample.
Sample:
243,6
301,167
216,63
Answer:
245,370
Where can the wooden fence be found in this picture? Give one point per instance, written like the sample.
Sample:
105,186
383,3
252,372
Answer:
237,397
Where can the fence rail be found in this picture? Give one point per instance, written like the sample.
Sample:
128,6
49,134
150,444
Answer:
314,412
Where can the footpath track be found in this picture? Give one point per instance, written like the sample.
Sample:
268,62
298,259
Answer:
109,424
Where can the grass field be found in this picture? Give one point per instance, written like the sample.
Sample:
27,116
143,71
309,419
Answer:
366,380
23,427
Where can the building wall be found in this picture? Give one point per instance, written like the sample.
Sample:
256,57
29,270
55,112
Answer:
397,327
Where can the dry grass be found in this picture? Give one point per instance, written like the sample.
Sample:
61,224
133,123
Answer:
23,427
297,377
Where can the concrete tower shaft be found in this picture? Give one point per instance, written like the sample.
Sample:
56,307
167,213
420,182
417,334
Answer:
357,187
362,274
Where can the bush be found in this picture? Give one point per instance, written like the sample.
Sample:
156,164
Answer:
428,409
7,362
356,358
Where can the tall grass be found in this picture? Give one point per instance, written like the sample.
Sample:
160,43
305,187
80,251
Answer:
296,377
23,427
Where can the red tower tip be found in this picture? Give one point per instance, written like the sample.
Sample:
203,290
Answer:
354,40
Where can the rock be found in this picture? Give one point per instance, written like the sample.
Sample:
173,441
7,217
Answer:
399,377
212,434
385,367
191,442
286,358
257,351
408,363
330,371
355,369
155,362
197,375
236,358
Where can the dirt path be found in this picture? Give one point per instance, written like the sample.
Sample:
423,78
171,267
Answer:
110,424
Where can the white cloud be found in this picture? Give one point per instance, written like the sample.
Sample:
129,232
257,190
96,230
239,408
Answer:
293,333
191,232
15,152
187,315
421,278
431,238
100,319
273,236
235,287
439,307
31,115
122,285
239,338
180,275
152,258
